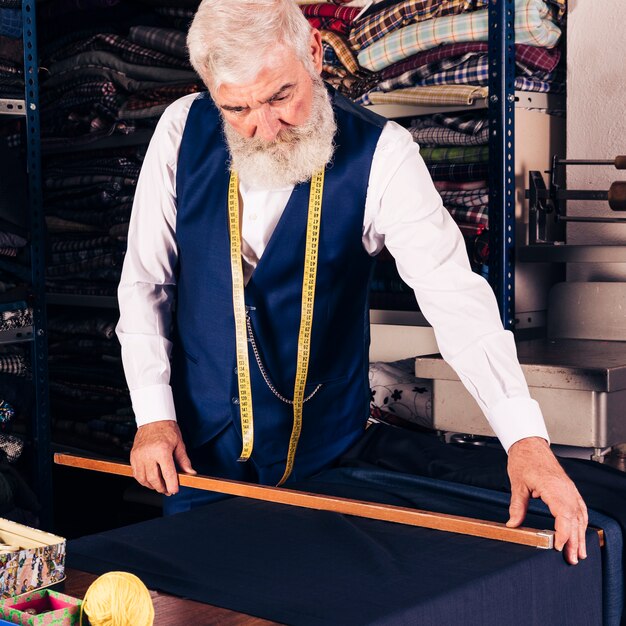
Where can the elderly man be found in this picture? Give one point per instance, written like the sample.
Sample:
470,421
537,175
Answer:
277,184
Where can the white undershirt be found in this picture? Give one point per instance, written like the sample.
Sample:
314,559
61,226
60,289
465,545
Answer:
403,211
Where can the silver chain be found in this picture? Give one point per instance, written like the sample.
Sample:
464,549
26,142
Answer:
266,378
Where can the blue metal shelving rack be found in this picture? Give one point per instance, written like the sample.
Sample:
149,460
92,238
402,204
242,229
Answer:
501,109
42,456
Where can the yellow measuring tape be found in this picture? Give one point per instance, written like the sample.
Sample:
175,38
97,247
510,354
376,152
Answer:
306,317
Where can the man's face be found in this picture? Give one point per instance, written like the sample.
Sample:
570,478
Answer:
279,98
280,127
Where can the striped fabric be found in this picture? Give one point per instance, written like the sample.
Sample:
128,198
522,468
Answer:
342,50
379,24
531,27
440,94
456,154
14,364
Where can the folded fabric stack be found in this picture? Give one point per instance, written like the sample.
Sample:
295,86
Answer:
389,51
111,70
90,403
435,53
88,205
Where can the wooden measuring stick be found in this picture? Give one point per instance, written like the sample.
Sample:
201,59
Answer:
384,512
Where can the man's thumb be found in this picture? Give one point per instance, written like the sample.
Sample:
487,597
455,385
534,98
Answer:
182,460
518,508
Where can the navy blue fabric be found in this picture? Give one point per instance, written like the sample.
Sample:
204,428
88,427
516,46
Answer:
603,488
310,567
203,371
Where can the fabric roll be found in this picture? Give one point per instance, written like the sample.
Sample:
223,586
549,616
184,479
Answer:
468,198
456,154
447,137
439,94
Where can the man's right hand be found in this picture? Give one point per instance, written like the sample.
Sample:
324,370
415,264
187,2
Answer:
157,450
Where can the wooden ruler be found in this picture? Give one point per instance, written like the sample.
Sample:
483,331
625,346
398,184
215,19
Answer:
372,510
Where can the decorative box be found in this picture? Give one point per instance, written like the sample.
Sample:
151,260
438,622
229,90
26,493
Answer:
38,560
52,609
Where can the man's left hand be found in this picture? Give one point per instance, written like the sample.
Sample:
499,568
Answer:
534,471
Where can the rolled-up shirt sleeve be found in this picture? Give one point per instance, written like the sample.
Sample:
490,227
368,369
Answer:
148,281
405,212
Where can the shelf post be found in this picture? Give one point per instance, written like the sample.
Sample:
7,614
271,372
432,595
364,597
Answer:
501,110
40,420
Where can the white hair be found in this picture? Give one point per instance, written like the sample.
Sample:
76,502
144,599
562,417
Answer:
229,40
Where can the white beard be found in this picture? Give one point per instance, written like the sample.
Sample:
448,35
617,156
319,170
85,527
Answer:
296,153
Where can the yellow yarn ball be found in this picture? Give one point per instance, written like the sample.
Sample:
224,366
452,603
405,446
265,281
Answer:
118,599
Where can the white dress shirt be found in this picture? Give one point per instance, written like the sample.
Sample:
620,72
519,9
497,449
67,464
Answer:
403,211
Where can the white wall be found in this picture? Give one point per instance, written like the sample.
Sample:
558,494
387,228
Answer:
596,121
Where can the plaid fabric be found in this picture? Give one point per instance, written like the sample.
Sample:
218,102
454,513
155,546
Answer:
159,96
456,154
11,4
329,57
124,49
477,215
469,123
470,69
440,94
342,51
167,40
379,24
445,185
471,230
11,23
434,136
475,199
534,58
329,23
531,27
345,14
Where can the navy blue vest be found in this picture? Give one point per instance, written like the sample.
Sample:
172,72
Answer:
204,378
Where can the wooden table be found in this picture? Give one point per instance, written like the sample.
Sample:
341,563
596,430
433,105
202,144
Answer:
171,610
